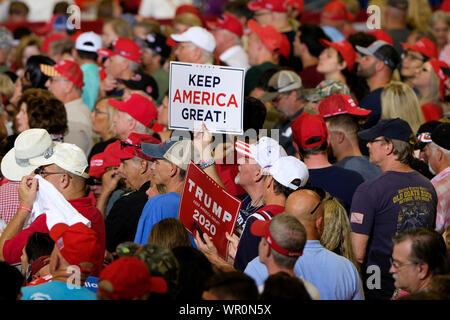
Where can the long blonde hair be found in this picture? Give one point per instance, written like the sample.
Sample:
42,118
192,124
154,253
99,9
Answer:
336,231
398,100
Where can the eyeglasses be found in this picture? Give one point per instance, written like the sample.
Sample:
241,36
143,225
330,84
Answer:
376,140
322,194
40,170
97,111
57,79
412,56
124,144
261,13
397,265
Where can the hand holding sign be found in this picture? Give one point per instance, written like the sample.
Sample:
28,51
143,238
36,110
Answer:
206,93
204,202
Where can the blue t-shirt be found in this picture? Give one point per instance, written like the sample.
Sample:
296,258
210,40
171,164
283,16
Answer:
157,208
361,165
391,203
91,81
338,182
372,101
334,276
56,290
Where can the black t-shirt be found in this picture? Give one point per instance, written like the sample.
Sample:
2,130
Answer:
338,182
122,221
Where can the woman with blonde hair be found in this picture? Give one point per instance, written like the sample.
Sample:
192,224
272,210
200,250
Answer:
115,28
102,124
398,100
439,25
336,231
429,81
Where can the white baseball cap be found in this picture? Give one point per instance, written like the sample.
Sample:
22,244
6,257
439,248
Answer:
88,41
287,169
199,36
30,144
265,152
67,156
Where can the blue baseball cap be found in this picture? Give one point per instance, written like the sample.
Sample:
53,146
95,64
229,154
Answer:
157,151
390,128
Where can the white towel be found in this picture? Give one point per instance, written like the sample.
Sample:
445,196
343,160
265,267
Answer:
57,209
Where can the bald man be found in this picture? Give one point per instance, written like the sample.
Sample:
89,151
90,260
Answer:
334,276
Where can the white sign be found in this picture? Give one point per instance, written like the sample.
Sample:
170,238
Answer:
204,93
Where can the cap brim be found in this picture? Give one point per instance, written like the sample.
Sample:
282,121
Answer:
364,51
269,96
255,6
407,46
49,70
106,52
258,227
325,42
152,150
117,104
368,134
179,38
11,170
359,112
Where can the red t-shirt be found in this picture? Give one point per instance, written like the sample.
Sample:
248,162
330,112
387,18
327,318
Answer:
12,249
432,111
311,77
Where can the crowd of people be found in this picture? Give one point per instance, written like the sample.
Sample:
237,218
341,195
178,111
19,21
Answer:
344,188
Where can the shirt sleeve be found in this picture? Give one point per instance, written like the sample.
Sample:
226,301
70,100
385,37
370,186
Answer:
12,249
362,212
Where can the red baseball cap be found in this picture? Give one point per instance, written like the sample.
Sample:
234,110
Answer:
309,130
129,278
336,10
228,22
437,64
131,147
269,36
297,4
102,161
96,166
337,104
382,35
345,48
187,8
65,69
139,107
261,228
49,39
424,46
272,5
123,47
78,244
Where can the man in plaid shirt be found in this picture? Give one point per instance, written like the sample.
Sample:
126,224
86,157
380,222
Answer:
438,155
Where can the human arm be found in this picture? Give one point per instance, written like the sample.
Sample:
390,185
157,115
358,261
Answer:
203,143
110,180
359,243
27,194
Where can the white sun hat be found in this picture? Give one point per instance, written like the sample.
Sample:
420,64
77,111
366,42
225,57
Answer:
29,144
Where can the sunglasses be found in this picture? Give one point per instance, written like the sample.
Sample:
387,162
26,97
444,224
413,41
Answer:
40,170
124,144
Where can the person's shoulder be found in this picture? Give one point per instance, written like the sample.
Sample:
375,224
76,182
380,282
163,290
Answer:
347,174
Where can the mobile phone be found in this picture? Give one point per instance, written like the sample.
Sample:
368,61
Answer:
197,227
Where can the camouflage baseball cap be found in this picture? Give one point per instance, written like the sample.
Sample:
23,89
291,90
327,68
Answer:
325,89
161,262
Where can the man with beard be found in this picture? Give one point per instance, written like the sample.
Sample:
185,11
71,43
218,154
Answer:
376,64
